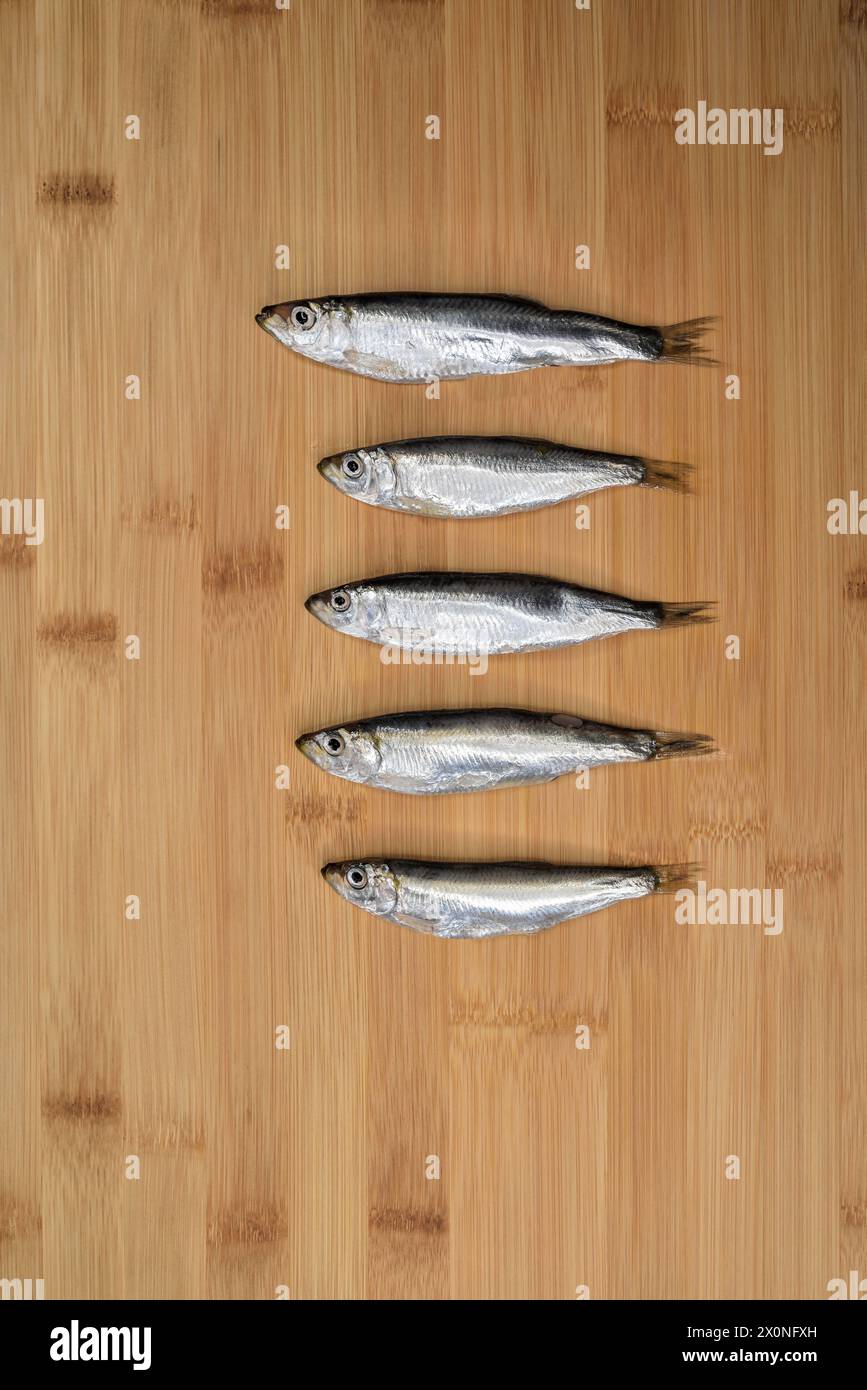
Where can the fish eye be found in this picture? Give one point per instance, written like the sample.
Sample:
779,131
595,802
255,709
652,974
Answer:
356,877
302,316
334,744
340,600
352,465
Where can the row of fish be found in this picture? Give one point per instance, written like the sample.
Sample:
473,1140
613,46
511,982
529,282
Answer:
425,337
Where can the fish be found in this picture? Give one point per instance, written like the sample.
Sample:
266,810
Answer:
471,901
454,613
416,337
427,752
471,476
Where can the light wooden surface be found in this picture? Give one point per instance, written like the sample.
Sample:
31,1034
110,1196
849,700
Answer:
306,1168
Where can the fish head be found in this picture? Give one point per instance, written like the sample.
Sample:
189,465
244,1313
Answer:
370,885
314,327
348,751
352,608
367,474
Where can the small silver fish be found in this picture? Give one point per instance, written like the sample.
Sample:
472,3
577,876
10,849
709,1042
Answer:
475,477
474,901
454,613
468,750
408,337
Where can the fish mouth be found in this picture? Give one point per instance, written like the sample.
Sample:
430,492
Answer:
329,469
318,607
306,744
270,318
331,874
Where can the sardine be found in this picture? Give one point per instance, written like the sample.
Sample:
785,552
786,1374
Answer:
475,477
456,613
481,900
410,337
468,750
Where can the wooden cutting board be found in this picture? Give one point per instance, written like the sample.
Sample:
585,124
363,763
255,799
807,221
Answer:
151,771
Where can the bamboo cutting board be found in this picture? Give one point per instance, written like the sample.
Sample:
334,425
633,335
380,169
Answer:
310,1168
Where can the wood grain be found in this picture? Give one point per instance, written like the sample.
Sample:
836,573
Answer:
305,1168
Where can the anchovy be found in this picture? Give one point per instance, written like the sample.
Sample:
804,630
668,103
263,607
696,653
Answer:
408,337
473,477
474,901
457,613
433,751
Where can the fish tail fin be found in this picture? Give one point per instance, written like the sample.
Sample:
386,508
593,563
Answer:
684,342
686,614
670,878
673,477
683,745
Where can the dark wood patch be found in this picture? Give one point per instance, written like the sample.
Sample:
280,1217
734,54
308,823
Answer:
82,1107
15,554
479,1013
18,1219
242,571
630,111
818,868
728,831
164,514
854,1212
77,190
313,811
243,1226
856,584
854,12
408,1221
243,9
79,630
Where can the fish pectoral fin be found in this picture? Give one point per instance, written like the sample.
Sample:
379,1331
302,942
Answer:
424,507
472,929
369,363
420,924
475,781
